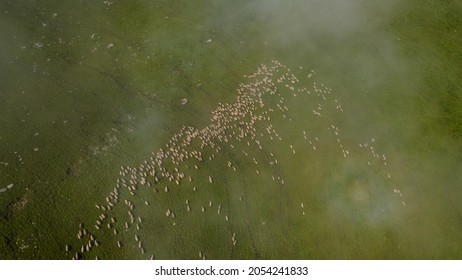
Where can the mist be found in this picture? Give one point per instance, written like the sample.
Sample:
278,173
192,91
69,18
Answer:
88,87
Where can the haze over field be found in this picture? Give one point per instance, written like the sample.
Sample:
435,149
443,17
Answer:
230,130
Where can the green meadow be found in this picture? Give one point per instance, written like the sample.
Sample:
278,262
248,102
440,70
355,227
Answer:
89,88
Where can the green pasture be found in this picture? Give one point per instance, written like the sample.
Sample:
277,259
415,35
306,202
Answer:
87,87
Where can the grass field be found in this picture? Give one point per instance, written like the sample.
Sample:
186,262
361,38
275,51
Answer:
360,159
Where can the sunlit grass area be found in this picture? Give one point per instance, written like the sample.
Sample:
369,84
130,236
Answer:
230,130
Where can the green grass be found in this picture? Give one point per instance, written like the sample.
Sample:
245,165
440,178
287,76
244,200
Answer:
394,68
